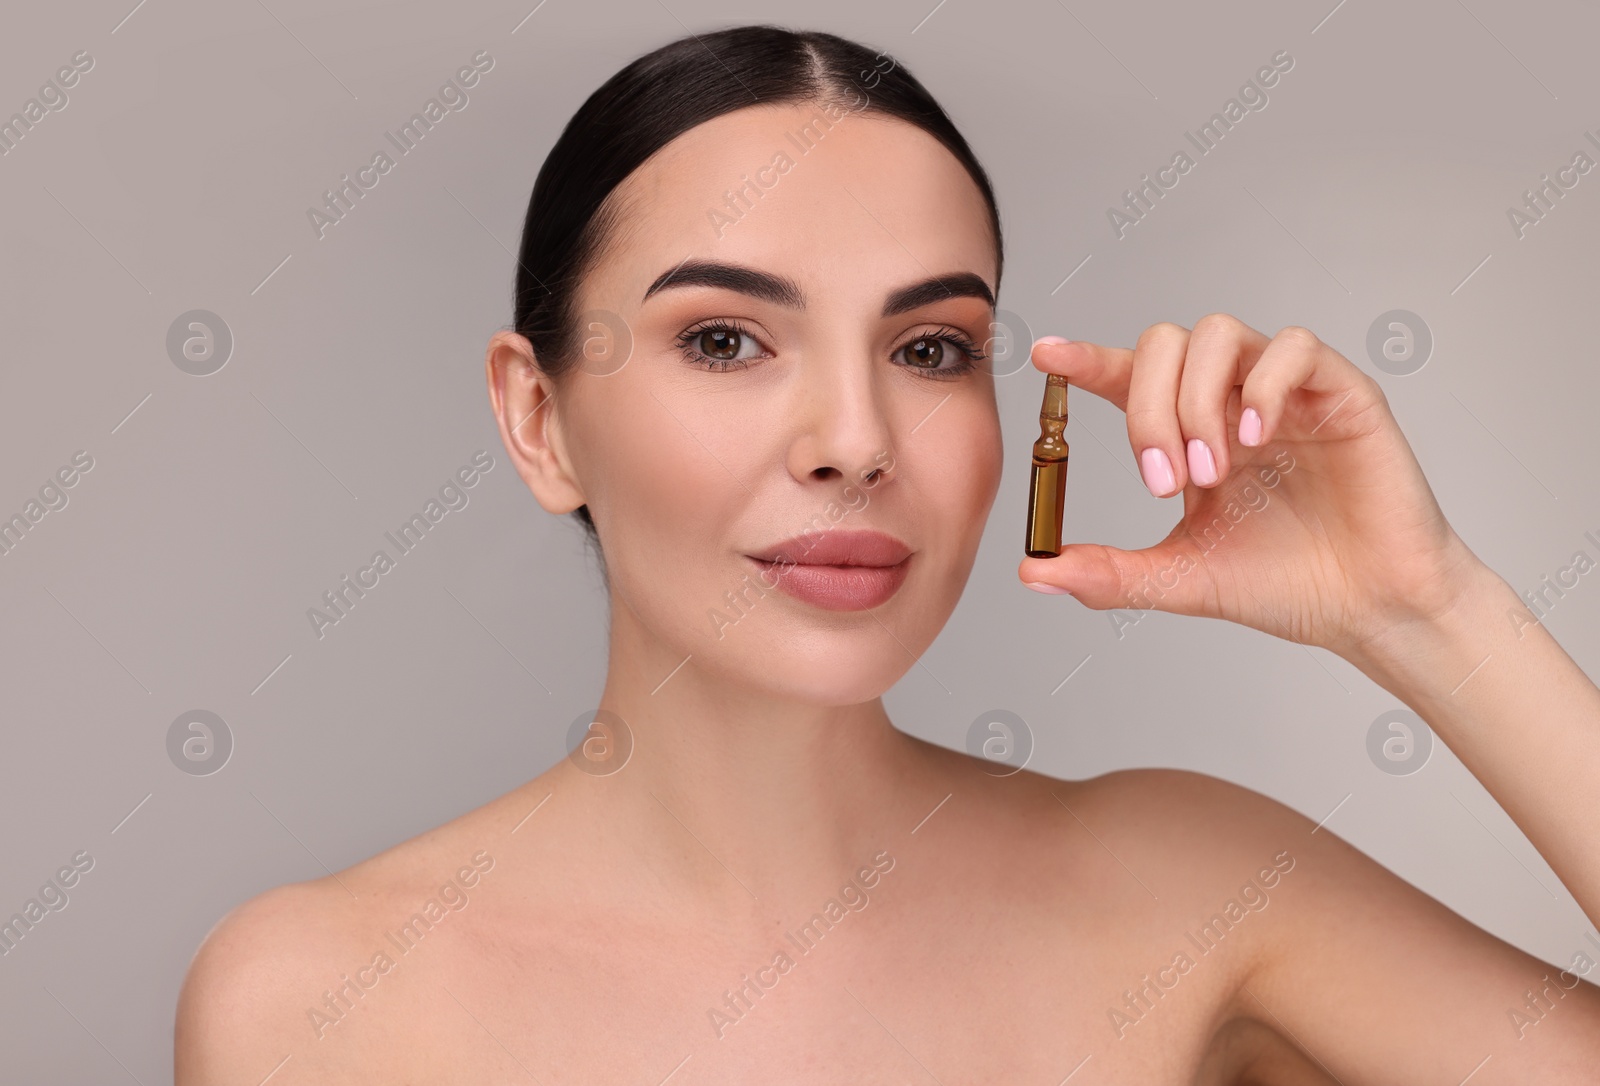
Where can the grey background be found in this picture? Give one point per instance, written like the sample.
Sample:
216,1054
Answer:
219,508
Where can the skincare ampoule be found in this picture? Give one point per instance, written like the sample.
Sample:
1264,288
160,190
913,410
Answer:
1048,483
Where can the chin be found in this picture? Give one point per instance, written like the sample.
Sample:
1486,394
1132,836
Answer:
830,668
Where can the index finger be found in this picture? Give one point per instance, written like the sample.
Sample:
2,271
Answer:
1104,371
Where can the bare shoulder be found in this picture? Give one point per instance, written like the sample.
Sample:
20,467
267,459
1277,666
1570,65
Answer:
1160,794
1189,832
259,981
1188,822
1209,851
237,1014
1405,986
1194,830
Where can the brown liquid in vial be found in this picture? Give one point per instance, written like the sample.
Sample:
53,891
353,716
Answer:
1048,480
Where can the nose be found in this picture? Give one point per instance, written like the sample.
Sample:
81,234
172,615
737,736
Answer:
843,433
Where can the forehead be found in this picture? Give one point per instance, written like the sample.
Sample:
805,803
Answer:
845,203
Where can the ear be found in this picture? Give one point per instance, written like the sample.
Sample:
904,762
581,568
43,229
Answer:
523,400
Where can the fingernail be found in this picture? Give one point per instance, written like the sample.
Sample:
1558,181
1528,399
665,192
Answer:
1249,427
1157,471
1202,465
1050,339
1040,586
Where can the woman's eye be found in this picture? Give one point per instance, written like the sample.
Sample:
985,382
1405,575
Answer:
721,346
942,355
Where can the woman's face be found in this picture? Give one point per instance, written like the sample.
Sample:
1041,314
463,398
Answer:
721,413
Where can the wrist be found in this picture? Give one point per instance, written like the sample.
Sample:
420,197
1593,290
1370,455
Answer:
1418,653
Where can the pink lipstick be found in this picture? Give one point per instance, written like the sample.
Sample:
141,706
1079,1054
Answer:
836,570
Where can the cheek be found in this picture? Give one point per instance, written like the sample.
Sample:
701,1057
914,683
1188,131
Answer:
963,469
662,486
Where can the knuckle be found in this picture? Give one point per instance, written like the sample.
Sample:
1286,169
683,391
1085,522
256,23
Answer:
1371,390
1161,332
1299,337
1217,324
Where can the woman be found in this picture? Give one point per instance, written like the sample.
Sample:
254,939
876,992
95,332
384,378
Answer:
756,278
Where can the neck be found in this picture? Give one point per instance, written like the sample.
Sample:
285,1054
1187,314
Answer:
733,792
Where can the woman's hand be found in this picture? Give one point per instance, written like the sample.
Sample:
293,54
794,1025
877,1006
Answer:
1315,523
1325,532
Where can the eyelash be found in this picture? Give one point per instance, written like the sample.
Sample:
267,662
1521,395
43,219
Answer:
970,354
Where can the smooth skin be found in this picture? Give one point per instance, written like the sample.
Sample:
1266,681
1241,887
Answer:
999,928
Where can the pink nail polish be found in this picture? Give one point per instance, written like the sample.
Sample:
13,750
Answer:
1202,465
1157,471
1040,586
1249,427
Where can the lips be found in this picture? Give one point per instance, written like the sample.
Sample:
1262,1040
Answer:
836,570
836,548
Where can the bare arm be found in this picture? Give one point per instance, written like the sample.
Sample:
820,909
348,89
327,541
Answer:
1515,708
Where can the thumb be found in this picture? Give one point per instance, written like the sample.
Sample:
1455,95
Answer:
1166,577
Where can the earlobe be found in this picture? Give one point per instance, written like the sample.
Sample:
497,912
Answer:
518,390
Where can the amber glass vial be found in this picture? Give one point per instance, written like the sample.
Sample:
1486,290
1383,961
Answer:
1047,486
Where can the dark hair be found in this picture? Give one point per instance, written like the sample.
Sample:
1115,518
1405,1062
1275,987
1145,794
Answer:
653,100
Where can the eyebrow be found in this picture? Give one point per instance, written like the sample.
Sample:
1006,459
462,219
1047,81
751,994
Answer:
786,292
